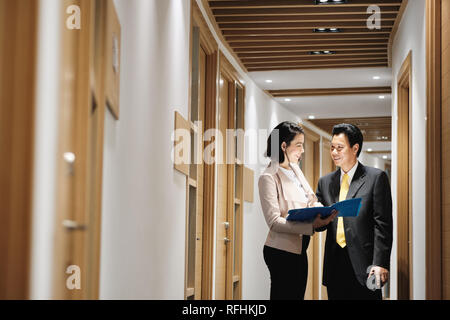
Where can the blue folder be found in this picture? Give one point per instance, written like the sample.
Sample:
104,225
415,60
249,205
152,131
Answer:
346,208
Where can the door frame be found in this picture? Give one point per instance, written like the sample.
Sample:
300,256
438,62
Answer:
208,44
404,173
433,152
230,75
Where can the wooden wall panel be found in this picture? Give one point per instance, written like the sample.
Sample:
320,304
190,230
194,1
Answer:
445,149
18,20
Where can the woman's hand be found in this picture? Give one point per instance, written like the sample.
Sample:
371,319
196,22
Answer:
319,222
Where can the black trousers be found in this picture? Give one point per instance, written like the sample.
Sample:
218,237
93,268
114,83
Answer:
342,283
288,273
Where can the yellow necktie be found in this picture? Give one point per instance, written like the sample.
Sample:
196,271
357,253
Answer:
340,235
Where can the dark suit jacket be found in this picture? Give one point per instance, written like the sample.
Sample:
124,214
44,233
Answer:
368,236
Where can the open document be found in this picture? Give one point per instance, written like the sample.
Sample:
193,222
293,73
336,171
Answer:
346,208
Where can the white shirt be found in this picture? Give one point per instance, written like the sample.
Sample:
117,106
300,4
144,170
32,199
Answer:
291,174
350,174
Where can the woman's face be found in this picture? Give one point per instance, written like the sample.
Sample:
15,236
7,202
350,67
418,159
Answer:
295,149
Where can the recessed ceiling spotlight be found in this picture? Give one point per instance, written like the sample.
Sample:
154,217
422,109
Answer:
311,117
381,97
369,150
287,100
327,30
376,78
322,52
385,157
269,81
330,1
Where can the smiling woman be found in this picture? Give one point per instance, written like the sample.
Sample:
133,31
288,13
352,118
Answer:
283,187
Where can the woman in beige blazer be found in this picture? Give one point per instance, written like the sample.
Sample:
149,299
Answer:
283,187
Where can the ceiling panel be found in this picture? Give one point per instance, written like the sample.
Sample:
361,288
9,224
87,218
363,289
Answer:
279,34
373,129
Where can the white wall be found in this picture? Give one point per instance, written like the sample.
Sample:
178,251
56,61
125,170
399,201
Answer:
46,133
143,219
411,36
371,161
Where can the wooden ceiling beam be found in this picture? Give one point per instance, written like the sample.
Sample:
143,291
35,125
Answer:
284,55
307,43
327,65
277,32
311,58
301,25
317,37
312,18
250,4
329,92
380,65
320,47
333,11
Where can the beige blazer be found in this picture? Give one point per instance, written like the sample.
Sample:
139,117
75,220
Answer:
278,194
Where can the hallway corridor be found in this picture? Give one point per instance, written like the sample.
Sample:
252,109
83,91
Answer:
133,134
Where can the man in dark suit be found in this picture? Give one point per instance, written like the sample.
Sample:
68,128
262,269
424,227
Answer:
354,244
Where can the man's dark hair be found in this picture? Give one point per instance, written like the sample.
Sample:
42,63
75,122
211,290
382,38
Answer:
284,132
352,132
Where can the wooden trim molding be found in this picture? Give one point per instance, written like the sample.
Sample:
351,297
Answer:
207,39
433,167
217,30
329,92
209,180
404,182
394,30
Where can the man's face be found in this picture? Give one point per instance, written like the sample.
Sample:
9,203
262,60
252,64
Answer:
342,154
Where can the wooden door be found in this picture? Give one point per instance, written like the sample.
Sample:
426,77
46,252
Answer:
223,187
194,225
84,100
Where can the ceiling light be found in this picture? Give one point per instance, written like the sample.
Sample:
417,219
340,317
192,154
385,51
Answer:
369,150
385,157
287,100
381,97
327,30
330,1
269,81
376,78
311,117
322,52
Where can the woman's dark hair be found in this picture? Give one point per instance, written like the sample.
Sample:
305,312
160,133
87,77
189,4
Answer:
284,132
353,134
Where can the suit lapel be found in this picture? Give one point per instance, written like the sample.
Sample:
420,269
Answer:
335,186
357,181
